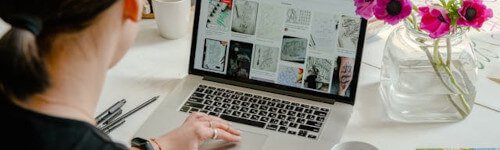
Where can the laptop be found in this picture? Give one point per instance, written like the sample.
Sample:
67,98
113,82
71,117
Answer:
284,72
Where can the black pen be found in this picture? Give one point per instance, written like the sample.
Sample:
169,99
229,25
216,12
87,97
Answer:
117,120
114,126
109,119
106,114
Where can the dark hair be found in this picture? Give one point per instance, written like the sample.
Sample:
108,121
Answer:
35,23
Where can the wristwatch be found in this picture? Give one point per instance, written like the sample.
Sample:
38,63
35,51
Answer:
141,143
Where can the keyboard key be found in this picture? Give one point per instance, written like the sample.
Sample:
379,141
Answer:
272,127
243,121
320,119
274,121
302,133
209,91
283,123
254,111
244,109
301,121
246,115
253,100
204,111
266,98
282,117
276,100
195,99
289,107
293,125
248,95
238,93
310,117
304,106
299,109
235,96
314,123
271,104
324,109
282,129
226,106
245,104
314,108
291,119
208,102
236,113
184,109
211,88
236,102
235,107
257,96
255,117
285,102
218,99
199,95
272,115
244,98
218,110
301,115
227,111
263,107
262,102
210,97
320,113
291,113
273,109
220,89
264,119
227,100
217,104
263,113
308,111
280,105
191,104
282,111
295,104
309,128
254,106
312,136
209,108
292,132
213,113
199,89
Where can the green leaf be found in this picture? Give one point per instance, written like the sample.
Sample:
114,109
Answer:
443,3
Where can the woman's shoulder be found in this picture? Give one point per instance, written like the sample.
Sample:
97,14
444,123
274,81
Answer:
44,131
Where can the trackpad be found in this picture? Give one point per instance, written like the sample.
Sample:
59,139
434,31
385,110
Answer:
249,141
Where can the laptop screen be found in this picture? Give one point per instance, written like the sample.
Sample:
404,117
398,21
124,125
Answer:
310,46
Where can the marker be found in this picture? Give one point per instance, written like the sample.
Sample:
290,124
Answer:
114,126
119,119
106,114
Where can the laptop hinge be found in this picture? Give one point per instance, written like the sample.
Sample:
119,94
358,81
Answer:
272,90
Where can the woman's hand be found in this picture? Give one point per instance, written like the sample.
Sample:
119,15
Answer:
197,128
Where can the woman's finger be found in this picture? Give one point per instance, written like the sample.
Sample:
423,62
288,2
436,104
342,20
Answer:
224,135
225,126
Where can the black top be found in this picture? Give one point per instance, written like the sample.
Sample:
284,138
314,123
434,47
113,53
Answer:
28,130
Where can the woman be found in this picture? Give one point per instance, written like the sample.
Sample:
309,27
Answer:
53,64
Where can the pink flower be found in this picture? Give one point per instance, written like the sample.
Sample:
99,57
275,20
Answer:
364,8
473,13
392,11
435,20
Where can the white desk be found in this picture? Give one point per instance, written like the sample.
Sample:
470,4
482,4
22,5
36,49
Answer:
154,66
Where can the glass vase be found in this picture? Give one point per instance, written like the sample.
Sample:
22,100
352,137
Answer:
428,80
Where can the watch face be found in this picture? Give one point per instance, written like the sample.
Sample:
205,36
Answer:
141,143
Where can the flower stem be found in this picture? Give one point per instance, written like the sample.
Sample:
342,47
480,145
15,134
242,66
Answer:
437,62
448,52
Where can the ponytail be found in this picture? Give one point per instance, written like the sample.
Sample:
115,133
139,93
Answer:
23,72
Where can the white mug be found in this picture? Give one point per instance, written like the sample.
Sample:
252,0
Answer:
172,17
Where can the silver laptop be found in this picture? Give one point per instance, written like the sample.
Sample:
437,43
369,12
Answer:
284,72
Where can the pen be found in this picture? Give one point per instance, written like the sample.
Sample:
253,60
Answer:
101,117
108,120
114,126
119,119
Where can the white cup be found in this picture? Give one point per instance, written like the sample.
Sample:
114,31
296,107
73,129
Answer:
354,145
172,17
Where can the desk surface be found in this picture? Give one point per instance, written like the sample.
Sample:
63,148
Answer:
155,65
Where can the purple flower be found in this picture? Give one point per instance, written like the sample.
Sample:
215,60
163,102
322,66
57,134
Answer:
364,8
435,21
473,13
392,11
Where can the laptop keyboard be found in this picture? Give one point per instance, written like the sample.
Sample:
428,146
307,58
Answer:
258,111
